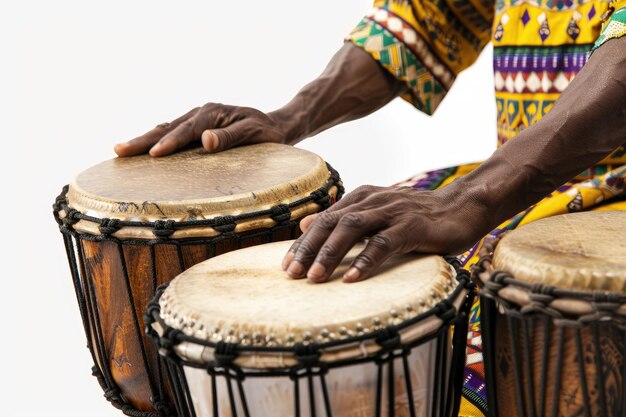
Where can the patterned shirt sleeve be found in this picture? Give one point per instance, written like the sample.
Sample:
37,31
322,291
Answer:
425,43
615,27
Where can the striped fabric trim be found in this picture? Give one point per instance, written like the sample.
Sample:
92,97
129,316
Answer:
401,51
412,39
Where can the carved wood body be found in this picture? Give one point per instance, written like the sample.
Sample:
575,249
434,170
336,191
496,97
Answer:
132,224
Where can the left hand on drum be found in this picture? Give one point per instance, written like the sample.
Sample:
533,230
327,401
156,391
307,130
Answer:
395,220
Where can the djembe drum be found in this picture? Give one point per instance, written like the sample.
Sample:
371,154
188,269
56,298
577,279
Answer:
132,224
554,317
242,339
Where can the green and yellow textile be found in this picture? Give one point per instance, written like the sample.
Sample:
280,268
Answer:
539,47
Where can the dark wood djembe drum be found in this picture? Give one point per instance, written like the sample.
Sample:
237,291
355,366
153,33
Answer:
553,302
132,224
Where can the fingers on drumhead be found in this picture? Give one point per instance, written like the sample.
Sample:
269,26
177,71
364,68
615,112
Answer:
350,229
378,249
220,139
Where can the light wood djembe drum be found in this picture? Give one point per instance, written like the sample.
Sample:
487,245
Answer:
242,339
132,224
554,317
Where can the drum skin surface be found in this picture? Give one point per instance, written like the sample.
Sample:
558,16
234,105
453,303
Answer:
557,346
246,292
194,184
120,249
583,251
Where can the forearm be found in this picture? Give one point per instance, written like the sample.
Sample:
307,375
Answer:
586,124
353,85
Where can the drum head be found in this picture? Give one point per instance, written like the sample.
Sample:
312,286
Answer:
245,297
194,184
582,251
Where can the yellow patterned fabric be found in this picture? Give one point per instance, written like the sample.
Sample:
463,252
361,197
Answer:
539,47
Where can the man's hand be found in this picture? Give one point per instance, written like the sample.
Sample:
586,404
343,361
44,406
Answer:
395,220
585,125
353,85
218,126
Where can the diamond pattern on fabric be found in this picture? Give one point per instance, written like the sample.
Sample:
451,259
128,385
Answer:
401,51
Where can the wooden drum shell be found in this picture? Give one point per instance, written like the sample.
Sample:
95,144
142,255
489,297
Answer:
116,290
117,264
550,349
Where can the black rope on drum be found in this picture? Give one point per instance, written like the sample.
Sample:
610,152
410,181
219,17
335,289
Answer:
527,327
80,297
379,388
436,381
445,336
137,327
100,348
326,397
459,344
179,397
153,276
242,398
408,385
296,393
114,397
163,229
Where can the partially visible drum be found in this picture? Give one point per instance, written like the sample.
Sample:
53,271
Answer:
554,317
242,339
132,224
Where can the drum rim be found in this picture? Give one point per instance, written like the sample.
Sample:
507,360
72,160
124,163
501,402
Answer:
189,207
539,260
516,296
76,221
168,337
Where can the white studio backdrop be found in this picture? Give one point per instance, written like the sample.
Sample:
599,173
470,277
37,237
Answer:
78,77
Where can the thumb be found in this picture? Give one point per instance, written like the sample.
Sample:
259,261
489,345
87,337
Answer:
217,140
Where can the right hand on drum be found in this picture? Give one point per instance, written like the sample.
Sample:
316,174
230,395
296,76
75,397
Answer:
394,220
218,126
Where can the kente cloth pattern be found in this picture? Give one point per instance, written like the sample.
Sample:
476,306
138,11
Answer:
539,47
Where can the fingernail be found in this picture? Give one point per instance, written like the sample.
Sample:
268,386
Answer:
317,272
287,260
155,149
209,140
295,270
352,274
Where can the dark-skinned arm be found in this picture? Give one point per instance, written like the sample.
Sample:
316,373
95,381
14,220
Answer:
353,85
585,125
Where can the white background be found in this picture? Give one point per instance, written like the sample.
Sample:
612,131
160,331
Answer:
77,77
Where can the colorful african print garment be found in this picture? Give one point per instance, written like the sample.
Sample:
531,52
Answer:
539,47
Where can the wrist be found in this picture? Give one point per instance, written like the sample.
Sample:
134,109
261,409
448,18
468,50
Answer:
290,122
492,193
